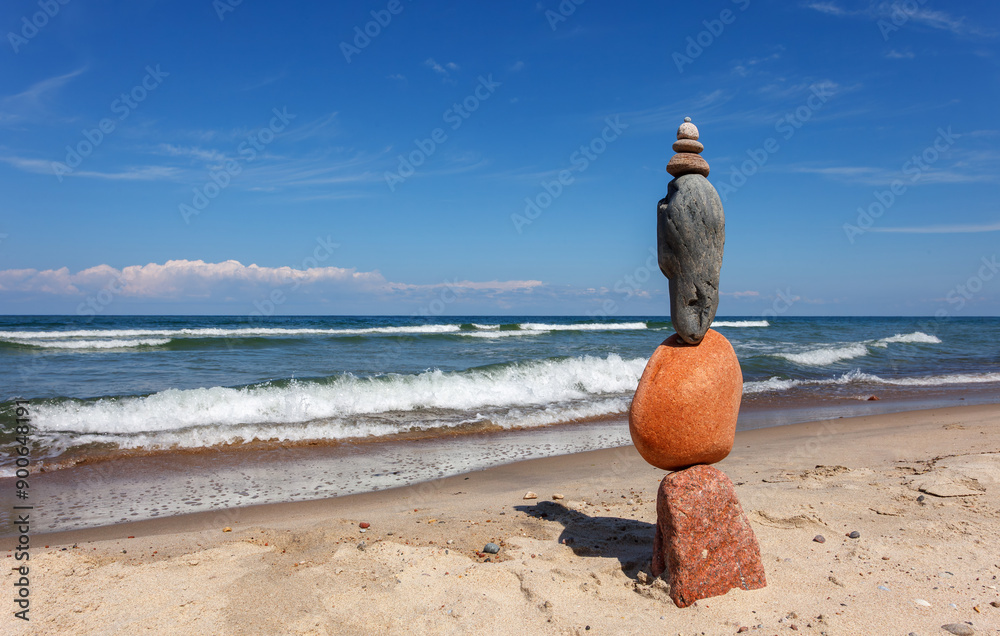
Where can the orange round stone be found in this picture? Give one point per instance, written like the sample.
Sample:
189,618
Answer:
684,411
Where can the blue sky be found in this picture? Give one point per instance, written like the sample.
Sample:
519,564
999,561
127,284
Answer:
373,157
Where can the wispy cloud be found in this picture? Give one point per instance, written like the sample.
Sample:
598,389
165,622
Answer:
31,102
941,229
444,70
130,173
828,8
900,13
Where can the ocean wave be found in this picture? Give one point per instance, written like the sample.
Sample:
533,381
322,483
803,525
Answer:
93,344
539,384
858,377
830,355
502,334
219,332
741,323
823,357
588,326
340,429
917,337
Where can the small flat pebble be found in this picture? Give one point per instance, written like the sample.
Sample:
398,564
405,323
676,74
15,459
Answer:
921,602
491,548
530,495
995,603
959,629
364,524
854,534
819,538
884,588
557,496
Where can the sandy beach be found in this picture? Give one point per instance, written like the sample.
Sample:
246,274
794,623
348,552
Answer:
922,488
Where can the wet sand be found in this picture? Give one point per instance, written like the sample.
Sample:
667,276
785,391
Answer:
565,564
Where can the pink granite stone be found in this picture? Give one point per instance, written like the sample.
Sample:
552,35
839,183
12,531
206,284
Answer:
704,545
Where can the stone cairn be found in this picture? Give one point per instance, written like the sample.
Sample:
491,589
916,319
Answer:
683,415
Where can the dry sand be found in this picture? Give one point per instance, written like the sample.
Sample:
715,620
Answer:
577,565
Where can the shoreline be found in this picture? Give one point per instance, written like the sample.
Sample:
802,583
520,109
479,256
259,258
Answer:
568,563
151,485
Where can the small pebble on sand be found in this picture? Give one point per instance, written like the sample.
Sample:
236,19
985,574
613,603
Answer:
819,538
530,495
557,496
959,629
854,534
491,548
364,524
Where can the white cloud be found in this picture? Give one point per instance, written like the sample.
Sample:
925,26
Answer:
184,279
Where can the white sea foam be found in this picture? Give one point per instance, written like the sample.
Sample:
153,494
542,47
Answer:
917,337
741,323
212,332
502,334
823,357
588,326
858,377
848,351
486,327
93,344
536,384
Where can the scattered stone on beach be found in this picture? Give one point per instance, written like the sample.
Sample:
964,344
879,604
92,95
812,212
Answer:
530,495
491,548
227,529
874,398
704,545
819,538
685,408
364,524
362,546
921,602
557,496
854,534
995,603
691,237
959,629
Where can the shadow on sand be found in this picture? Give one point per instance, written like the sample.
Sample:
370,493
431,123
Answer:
628,540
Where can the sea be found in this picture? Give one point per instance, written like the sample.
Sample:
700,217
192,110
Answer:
163,388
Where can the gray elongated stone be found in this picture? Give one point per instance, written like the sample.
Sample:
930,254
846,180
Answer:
691,235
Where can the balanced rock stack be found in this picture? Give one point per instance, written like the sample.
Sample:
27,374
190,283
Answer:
683,415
